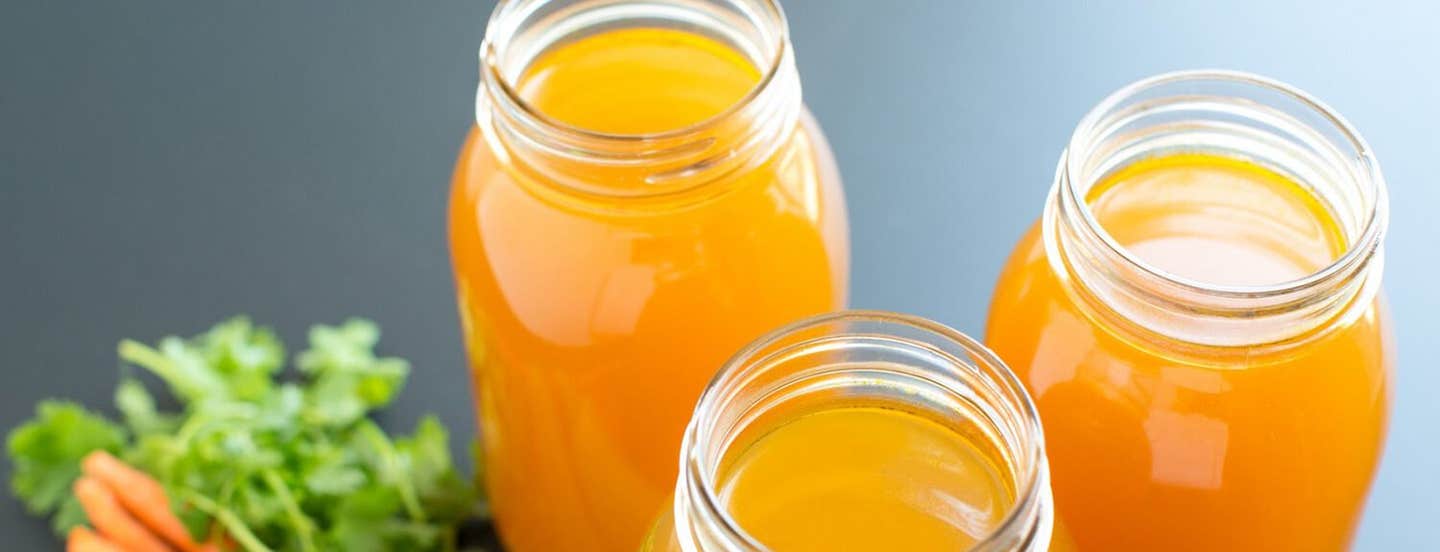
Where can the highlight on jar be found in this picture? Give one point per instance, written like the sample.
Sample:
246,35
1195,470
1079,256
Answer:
643,194
861,430
1198,317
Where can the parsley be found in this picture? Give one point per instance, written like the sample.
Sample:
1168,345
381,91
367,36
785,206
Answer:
280,466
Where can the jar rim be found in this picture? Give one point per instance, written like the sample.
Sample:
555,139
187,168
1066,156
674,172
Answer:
1032,477
493,73
1361,248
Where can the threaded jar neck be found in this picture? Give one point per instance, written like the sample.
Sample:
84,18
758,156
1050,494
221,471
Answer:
655,167
1231,114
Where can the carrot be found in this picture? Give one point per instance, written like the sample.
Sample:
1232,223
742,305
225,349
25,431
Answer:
142,496
111,519
82,539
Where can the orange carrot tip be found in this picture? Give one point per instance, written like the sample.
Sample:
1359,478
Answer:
82,539
113,522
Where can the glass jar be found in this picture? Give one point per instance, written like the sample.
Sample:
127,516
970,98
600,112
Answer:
860,480
1198,413
605,263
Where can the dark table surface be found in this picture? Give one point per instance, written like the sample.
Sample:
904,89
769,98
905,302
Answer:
167,164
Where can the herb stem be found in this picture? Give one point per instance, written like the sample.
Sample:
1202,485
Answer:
238,530
301,523
391,466
141,354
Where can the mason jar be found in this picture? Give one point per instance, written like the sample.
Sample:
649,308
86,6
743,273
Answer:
1198,316
861,431
642,193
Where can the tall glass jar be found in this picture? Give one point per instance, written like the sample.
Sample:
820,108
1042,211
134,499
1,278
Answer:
605,263
1222,411
884,365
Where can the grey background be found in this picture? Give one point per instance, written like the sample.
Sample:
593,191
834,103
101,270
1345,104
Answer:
167,164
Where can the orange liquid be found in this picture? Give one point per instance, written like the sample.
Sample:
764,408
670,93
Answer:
591,332
866,478
1157,451
861,478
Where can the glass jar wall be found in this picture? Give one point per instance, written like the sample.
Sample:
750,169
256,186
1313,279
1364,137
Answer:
1197,317
643,193
861,431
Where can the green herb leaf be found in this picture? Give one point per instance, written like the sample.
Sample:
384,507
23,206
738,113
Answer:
46,453
441,490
